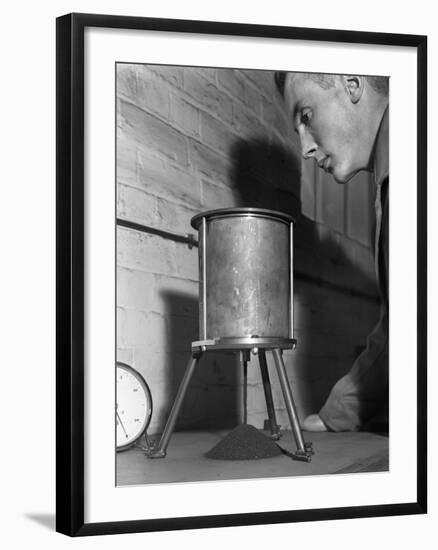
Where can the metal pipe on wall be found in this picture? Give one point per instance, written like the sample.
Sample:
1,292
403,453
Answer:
189,238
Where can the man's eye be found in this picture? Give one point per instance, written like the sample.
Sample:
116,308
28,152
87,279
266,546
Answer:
306,117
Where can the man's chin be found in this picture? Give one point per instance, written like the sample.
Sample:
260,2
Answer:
342,177
339,179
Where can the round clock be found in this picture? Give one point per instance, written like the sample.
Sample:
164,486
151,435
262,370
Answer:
133,407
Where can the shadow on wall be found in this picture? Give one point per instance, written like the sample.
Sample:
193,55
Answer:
266,175
213,398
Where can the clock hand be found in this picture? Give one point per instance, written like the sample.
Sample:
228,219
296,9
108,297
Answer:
121,423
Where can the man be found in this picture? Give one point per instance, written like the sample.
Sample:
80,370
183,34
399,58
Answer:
342,123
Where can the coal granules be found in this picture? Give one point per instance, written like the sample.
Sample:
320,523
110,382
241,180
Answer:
244,443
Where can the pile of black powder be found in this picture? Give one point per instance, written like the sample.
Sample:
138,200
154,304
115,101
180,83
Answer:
244,443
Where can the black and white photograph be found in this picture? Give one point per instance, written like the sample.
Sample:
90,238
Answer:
252,274
236,344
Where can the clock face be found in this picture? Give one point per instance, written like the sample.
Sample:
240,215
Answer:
134,406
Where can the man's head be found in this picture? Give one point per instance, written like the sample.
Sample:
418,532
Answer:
336,117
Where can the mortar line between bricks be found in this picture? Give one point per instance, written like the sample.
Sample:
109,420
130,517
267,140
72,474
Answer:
150,113
204,109
192,102
254,85
140,187
158,75
241,102
177,129
145,311
158,273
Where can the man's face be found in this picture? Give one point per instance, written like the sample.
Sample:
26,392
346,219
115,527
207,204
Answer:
325,122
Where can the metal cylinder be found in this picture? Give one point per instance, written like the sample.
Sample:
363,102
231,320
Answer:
245,273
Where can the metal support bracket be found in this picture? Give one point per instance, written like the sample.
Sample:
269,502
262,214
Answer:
275,429
304,450
160,451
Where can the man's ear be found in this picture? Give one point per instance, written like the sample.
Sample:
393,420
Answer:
354,87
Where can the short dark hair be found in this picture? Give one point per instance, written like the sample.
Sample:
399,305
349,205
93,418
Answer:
379,83
280,81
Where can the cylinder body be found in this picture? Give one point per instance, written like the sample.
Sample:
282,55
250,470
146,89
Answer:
245,272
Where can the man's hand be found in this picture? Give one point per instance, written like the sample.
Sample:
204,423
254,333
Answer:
313,423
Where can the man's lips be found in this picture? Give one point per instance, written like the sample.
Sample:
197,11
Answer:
324,163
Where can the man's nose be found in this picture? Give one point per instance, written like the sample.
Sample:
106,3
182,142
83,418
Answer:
308,145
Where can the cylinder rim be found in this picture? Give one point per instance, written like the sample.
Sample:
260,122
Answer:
243,211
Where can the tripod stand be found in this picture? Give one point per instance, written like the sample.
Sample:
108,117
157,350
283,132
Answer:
257,346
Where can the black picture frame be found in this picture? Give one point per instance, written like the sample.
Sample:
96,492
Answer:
70,273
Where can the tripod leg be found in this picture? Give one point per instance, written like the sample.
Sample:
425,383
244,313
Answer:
304,451
245,390
160,451
275,431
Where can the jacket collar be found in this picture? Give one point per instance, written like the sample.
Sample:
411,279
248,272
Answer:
381,150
